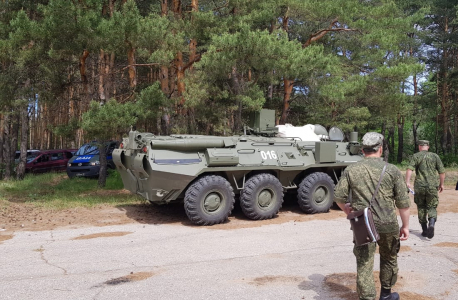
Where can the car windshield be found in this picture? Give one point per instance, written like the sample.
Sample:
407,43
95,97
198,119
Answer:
87,149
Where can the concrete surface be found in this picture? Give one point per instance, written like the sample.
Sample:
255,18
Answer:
293,260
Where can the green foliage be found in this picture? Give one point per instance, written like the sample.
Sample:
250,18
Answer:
105,122
67,131
358,115
449,160
149,102
351,62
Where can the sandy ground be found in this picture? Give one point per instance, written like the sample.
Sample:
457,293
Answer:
26,217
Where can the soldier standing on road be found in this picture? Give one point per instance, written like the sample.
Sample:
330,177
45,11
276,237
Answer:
426,165
361,180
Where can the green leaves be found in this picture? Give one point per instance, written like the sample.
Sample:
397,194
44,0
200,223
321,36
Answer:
105,122
350,61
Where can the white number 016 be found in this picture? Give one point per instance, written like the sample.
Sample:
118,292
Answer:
268,154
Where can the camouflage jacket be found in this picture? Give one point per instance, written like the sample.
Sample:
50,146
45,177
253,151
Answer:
426,166
362,179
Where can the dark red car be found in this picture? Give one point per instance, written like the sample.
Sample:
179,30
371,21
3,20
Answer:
49,160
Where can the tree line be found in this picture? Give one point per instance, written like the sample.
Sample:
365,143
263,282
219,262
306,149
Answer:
76,70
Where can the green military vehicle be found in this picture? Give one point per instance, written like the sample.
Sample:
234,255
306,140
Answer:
207,172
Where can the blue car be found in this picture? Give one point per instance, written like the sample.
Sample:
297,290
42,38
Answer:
86,162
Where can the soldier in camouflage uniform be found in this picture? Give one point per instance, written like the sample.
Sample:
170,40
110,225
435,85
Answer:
361,180
426,165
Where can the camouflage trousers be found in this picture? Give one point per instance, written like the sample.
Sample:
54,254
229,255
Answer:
427,199
389,245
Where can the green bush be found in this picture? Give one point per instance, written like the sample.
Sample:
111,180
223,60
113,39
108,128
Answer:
449,160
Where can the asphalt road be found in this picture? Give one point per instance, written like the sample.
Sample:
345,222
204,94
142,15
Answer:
293,260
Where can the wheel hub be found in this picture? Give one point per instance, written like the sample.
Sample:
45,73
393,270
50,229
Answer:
320,195
212,202
265,198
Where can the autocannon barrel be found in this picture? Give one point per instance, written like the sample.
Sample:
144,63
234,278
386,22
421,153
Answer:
187,144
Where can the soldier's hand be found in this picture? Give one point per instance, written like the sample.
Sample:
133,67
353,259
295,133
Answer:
348,208
408,185
440,188
404,233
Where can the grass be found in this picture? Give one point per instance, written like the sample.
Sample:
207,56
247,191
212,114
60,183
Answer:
57,191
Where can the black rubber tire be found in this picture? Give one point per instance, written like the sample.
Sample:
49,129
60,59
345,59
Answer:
316,193
270,189
209,200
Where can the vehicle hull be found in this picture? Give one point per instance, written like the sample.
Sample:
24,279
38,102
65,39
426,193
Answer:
162,175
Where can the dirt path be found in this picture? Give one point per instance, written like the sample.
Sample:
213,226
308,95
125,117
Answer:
26,217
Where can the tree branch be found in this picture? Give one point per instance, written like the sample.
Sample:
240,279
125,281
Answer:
136,65
191,62
318,35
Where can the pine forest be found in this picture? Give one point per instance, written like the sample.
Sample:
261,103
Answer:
73,71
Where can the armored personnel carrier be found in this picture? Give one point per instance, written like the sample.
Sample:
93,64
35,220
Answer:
207,172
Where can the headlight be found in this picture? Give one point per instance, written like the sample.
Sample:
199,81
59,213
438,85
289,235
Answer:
69,164
95,163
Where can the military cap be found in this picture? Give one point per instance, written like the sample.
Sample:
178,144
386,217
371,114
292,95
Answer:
423,143
372,140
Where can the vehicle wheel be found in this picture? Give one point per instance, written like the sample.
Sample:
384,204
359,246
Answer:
316,193
262,197
209,200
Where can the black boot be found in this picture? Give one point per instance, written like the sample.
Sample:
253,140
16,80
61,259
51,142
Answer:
432,221
424,228
388,295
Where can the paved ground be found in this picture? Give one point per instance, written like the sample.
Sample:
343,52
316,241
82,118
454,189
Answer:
290,260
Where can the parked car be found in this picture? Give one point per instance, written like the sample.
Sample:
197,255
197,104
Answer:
48,160
86,162
31,153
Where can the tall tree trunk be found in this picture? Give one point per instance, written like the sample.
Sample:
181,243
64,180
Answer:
14,133
103,165
82,66
445,96
2,132
102,95
164,79
287,84
390,141
288,89
177,8
444,117
415,113
437,115
415,106
111,86
400,138
111,7
24,134
385,141
455,132
236,90
164,8
7,146
192,58
180,77
132,71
